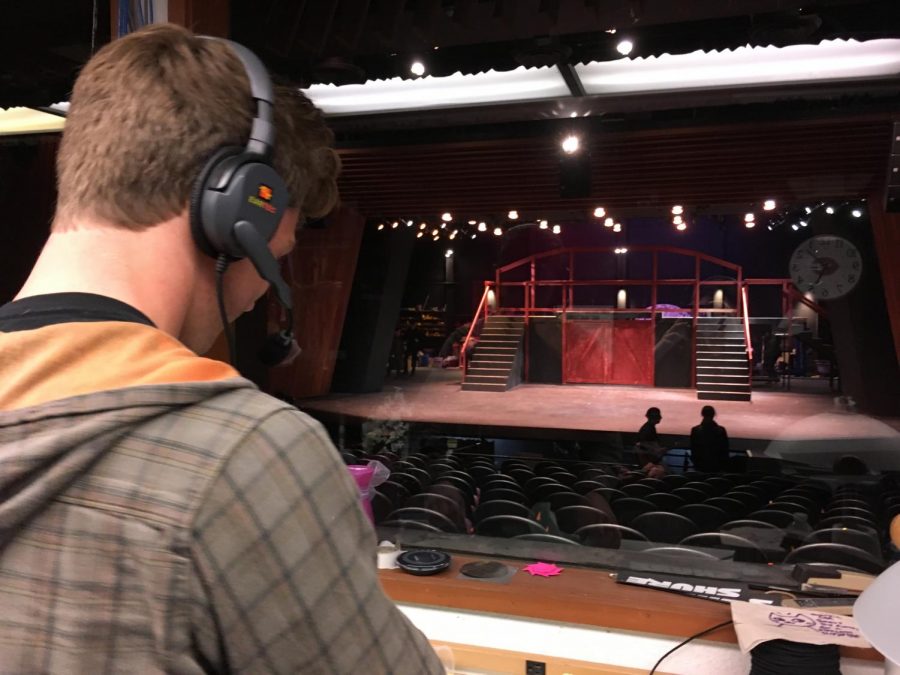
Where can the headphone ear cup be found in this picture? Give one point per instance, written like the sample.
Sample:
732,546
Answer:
195,207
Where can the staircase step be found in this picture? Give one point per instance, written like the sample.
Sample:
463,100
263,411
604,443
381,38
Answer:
487,379
720,396
496,345
478,369
723,386
723,361
471,386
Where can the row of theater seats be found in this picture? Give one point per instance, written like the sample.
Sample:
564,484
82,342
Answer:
759,518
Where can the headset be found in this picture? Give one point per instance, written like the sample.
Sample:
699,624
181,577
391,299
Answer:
236,205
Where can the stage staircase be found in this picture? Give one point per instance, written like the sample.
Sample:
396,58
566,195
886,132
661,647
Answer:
723,369
496,363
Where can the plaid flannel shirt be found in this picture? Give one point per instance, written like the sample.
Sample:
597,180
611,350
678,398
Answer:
188,528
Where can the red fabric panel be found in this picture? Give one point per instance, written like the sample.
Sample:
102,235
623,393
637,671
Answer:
609,352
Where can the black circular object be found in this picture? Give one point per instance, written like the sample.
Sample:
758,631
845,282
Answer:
487,569
423,563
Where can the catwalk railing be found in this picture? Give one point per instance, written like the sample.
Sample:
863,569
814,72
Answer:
483,306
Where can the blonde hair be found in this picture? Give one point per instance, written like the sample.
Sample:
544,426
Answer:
149,109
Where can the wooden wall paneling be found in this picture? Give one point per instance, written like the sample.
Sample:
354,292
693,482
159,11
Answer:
886,230
324,263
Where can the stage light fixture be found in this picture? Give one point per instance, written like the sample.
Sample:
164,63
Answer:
829,210
472,222
856,213
617,227
557,229
769,228
409,223
435,232
678,220
624,47
512,215
599,212
498,231
395,224
570,144
474,235
681,227
453,235
443,226
380,226
446,216
420,235
482,227
449,253
749,224
749,217
609,222
417,68
807,209
436,238
677,210
769,205
422,226
803,223
795,227
543,225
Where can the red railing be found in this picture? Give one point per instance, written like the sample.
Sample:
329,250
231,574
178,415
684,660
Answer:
483,305
744,305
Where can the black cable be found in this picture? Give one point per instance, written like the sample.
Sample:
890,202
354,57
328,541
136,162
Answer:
221,266
693,637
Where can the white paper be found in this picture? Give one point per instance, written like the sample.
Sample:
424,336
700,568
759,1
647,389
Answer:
755,624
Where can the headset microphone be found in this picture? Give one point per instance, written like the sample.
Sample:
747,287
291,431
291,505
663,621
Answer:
236,206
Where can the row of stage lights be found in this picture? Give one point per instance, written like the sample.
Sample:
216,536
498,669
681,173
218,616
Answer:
679,219
472,228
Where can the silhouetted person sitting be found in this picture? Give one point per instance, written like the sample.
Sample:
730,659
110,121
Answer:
709,443
850,465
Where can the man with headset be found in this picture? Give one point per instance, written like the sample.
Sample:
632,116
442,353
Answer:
158,513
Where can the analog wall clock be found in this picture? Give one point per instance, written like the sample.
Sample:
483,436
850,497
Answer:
826,266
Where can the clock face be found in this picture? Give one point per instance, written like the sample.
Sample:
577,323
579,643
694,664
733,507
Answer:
826,266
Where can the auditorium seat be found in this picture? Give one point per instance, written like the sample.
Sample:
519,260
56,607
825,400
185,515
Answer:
665,501
410,525
680,552
850,522
607,535
663,527
777,517
744,550
421,475
543,492
608,481
867,541
546,538
674,480
482,474
521,476
848,502
573,518
629,508
637,490
732,507
705,517
690,495
500,482
500,507
394,491
534,483
701,486
720,485
461,483
444,505
382,506
854,511
507,526
410,482
748,523
502,493
655,483
840,555
560,499
462,475
564,477
582,487
429,516
454,493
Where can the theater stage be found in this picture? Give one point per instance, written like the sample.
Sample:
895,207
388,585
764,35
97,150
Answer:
801,427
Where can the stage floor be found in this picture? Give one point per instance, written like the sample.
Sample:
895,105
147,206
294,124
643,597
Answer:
799,426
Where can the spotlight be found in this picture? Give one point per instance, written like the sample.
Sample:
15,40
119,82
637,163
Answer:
829,210
422,226
435,232
474,235
557,229
749,217
574,114
446,217
395,224
856,213
749,224
795,227
608,222
570,144
769,228
624,47
498,231
677,210
380,226
678,220
599,212
482,227
443,226
620,251
409,223
417,68
624,250
472,222
453,235
512,215
769,205
449,253
807,209
803,223
436,238
617,227
681,227
543,225
419,235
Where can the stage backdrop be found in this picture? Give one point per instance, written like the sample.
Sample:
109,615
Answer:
609,351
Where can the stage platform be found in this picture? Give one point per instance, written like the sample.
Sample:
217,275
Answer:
799,426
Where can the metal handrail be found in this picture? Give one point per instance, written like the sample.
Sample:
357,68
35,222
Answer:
746,323
481,305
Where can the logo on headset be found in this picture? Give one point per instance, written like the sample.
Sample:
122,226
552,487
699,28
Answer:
262,198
